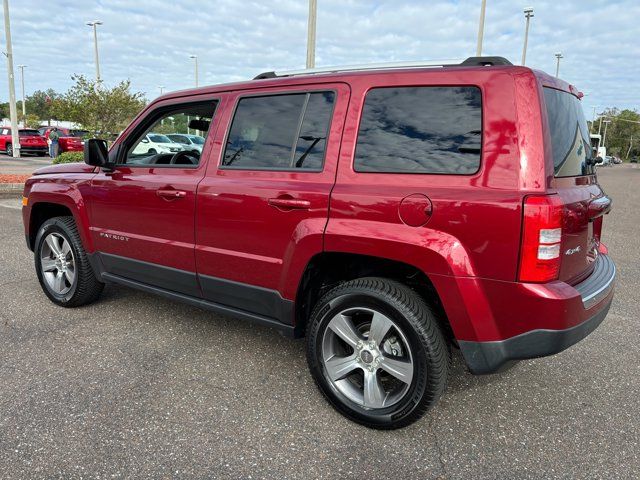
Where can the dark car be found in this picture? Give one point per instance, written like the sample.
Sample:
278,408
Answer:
390,215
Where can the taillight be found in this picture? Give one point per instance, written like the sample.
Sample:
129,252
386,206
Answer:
541,239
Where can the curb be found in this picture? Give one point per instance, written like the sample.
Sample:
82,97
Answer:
8,190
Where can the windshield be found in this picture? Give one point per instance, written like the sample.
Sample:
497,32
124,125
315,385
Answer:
570,141
197,140
156,138
28,133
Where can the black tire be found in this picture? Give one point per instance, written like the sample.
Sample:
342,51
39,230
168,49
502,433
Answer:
9,150
429,349
152,151
86,288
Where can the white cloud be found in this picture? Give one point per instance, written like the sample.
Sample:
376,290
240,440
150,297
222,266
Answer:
150,42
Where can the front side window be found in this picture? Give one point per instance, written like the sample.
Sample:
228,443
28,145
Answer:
279,132
420,130
159,143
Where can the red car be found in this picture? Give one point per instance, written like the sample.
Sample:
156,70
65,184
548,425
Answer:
389,215
30,141
70,140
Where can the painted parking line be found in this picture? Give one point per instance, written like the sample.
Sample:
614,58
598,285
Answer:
12,204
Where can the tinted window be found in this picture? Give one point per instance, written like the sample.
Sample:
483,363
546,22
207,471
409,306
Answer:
420,130
570,142
28,133
313,133
279,132
78,133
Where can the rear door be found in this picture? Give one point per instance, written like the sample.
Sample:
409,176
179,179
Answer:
575,180
263,204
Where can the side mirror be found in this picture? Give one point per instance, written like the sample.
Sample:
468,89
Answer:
96,152
144,140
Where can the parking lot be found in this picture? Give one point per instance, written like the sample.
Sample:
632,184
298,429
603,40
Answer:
135,385
22,166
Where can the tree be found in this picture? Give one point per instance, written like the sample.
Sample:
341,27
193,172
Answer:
623,133
39,103
99,109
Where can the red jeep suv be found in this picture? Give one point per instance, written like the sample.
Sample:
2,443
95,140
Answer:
69,141
389,214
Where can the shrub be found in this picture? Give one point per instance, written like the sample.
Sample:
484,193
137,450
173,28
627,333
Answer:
69,157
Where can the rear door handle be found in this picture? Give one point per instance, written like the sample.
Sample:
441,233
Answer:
171,194
289,203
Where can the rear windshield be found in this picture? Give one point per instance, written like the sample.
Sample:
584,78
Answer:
570,142
28,133
78,133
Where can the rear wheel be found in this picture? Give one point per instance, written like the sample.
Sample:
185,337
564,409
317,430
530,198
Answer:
62,265
377,353
9,150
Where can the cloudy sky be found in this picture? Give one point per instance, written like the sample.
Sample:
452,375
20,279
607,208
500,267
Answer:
149,41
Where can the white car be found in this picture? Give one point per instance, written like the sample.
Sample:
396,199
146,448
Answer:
153,143
192,143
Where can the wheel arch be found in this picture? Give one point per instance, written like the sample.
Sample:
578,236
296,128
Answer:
43,206
325,270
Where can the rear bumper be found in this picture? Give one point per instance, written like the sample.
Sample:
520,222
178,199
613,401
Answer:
589,305
34,149
490,357
71,148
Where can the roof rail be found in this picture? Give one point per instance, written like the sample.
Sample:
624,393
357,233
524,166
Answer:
471,61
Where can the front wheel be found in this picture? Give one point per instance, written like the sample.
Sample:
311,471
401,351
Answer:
62,265
377,353
9,150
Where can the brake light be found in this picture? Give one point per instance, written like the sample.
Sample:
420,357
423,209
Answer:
541,239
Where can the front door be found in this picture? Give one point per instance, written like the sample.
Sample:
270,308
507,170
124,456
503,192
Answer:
263,204
143,213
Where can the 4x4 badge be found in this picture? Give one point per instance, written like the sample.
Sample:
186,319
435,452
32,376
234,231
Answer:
571,251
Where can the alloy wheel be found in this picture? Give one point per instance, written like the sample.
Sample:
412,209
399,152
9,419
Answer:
58,263
367,358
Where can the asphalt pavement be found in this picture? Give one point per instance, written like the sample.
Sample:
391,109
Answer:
22,166
137,386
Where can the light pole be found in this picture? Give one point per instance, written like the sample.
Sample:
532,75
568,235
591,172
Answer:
95,24
528,13
604,137
24,110
311,34
558,56
161,88
195,57
15,140
483,7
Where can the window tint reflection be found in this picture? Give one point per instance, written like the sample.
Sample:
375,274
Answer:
280,131
420,130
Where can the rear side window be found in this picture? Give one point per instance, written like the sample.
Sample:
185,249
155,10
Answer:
420,130
279,132
570,142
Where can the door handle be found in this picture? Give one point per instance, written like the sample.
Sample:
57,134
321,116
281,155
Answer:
171,194
289,203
